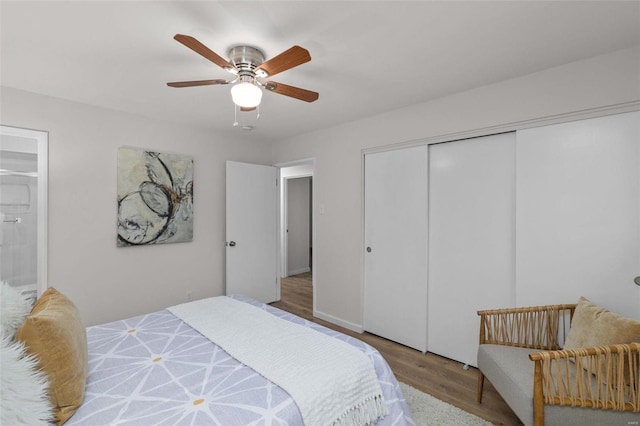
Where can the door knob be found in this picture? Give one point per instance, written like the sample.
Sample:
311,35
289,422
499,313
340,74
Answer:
232,243
368,249
636,280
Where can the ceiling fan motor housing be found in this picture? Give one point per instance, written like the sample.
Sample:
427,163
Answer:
246,59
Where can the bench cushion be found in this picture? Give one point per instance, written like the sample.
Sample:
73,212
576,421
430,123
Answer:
510,371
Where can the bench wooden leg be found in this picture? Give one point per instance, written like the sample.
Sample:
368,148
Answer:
538,397
480,385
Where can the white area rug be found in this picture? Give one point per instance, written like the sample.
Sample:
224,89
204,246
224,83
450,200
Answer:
430,411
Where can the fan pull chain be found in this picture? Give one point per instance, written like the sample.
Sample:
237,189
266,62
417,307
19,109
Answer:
235,116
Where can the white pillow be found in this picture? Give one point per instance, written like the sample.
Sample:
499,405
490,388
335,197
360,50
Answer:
23,388
14,309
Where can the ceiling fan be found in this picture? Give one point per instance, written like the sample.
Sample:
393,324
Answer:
250,69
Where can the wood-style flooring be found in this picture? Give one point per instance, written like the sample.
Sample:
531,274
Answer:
441,377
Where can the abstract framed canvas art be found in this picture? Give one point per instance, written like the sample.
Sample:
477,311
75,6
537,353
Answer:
155,197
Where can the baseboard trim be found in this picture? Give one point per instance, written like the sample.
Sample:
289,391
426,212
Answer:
338,321
298,271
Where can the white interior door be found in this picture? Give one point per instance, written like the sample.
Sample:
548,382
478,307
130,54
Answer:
471,239
578,213
252,229
395,243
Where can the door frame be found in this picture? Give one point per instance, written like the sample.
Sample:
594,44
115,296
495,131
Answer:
283,212
42,141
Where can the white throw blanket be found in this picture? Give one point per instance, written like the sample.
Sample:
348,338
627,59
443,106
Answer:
332,382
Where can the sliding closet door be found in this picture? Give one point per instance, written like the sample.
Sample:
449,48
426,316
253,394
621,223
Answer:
578,213
471,239
395,245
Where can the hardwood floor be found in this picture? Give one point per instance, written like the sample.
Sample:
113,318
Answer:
441,377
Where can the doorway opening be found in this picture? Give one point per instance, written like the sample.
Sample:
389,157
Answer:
23,209
297,234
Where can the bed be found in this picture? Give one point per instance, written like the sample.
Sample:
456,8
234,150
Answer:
156,369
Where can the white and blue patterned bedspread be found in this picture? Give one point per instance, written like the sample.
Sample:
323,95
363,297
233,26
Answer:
156,370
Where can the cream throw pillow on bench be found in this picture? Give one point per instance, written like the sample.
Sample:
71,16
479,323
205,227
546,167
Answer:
593,325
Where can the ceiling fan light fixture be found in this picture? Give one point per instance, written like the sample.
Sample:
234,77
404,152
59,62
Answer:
248,64
246,94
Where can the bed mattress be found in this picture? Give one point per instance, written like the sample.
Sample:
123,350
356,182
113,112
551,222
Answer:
155,369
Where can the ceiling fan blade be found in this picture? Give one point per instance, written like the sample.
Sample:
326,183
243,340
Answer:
291,91
288,59
197,83
203,50
245,109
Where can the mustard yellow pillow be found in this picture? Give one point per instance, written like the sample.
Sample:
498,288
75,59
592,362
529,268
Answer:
54,334
593,325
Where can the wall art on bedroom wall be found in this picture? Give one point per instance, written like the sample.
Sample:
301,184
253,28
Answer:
155,197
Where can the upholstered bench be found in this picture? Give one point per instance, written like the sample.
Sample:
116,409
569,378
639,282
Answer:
597,385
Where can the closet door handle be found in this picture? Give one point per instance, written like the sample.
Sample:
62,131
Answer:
369,251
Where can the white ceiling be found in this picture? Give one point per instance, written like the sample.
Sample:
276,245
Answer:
367,56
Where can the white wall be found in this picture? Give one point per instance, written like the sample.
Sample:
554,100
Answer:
298,225
559,94
106,282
